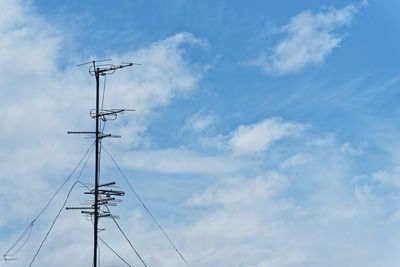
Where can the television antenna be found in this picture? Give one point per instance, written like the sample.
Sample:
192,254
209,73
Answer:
103,196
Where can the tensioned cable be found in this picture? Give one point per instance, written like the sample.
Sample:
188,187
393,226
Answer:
147,210
29,227
98,262
59,212
110,248
23,244
27,230
53,223
127,239
69,177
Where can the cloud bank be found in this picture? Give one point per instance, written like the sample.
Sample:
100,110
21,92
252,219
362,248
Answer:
309,38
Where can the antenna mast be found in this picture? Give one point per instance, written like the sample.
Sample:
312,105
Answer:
96,168
101,197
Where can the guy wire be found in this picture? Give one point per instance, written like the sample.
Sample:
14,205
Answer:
59,212
29,227
110,248
147,210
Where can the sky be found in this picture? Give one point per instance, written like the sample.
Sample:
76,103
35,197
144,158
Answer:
266,133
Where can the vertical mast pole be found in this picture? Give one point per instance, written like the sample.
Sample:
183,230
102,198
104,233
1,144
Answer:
96,183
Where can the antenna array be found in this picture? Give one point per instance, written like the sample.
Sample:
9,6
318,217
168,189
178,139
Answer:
103,196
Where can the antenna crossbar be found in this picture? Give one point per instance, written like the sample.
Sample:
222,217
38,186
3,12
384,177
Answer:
80,132
105,69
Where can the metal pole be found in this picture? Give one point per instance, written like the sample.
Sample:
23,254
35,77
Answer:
96,182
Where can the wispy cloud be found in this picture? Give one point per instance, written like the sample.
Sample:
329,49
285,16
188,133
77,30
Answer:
309,38
181,161
388,177
250,139
200,122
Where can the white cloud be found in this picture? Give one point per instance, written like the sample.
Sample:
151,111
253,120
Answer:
229,151
310,38
181,161
200,122
250,139
163,75
240,192
291,217
28,45
321,140
388,177
362,192
348,148
296,160
263,216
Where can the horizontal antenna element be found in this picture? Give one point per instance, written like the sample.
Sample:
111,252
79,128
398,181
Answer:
105,69
93,62
104,198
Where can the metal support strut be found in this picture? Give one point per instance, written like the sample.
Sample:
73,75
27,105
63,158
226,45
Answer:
96,169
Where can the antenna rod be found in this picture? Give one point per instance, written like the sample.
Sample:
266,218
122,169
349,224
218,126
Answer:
96,183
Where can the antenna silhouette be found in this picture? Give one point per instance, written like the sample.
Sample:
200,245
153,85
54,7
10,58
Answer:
103,195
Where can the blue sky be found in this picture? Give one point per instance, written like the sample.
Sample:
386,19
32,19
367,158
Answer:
265,133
